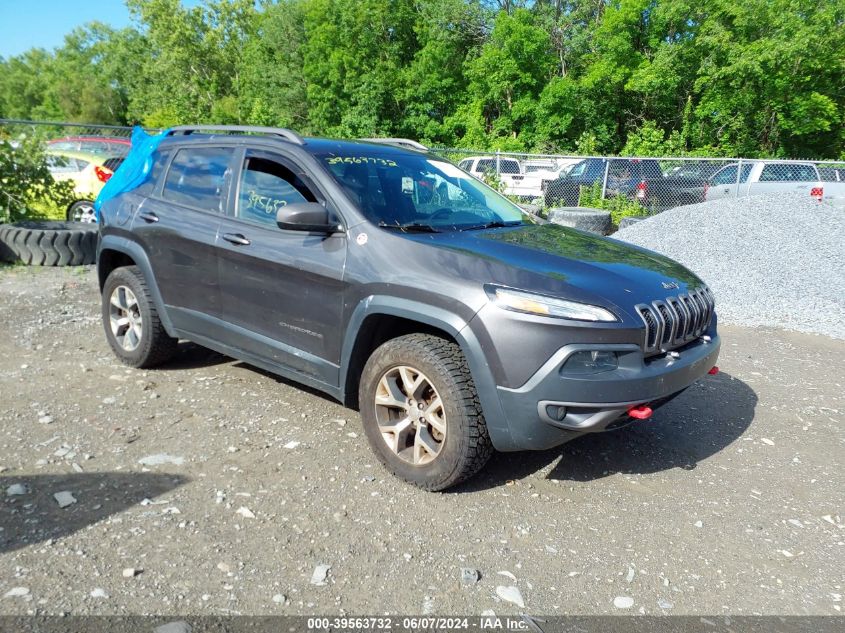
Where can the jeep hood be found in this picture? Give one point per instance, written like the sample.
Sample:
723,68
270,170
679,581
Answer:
565,262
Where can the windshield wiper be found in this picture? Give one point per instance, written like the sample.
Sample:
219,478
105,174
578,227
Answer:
495,224
410,227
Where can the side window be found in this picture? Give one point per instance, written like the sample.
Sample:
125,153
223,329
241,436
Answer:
623,169
578,169
266,186
508,166
785,172
81,164
486,165
465,165
773,173
725,176
197,177
154,176
805,173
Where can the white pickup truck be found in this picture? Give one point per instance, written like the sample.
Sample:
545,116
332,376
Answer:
523,181
762,177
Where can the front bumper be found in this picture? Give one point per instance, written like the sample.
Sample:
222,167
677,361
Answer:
599,402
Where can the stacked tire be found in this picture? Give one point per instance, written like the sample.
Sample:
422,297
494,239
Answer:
47,243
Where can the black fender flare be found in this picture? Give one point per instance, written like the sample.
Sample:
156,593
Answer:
455,326
136,252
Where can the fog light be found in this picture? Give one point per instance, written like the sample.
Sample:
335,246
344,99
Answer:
555,412
590,362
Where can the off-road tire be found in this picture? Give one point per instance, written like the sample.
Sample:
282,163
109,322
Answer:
156,346
583,218
48,243
7,254
467,445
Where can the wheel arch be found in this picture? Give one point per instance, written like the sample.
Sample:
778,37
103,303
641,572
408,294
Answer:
116,252
378,319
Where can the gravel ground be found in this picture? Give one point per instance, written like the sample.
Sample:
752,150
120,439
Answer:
774,260
209,487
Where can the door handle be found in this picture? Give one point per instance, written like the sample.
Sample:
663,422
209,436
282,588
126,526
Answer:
236,238
148,216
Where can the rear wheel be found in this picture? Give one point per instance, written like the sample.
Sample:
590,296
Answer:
421,412
131,322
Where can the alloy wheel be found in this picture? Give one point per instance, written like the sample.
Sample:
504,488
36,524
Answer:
125,318
410,415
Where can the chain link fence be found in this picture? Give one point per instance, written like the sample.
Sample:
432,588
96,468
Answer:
627,186
642,185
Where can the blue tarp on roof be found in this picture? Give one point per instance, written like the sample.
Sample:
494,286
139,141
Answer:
135,168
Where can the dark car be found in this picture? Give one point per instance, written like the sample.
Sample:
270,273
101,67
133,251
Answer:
398,284
684,184
618,177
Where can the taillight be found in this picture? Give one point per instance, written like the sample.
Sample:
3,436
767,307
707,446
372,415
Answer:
817,193
642,187
103,173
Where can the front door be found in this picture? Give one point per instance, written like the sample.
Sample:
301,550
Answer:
281,291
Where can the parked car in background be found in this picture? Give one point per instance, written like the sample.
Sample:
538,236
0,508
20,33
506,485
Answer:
508,169
538,170
625,177
762,177
100,145
684,184
88,173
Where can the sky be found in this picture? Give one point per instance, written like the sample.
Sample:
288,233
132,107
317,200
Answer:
25,24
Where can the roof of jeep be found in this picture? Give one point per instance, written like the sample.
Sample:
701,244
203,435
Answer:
313,145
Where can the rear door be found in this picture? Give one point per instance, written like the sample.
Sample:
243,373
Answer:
177,226
281,290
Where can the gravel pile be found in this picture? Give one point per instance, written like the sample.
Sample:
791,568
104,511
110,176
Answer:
775,260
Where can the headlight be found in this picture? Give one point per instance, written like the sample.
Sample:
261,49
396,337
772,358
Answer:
590,362
530,303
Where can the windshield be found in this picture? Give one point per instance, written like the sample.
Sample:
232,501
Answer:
417,191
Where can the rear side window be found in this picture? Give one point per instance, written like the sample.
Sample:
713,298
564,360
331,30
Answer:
509,166
61,165
485,165
266,186
198,177
149,185
728,175
785,172
465,165
651,169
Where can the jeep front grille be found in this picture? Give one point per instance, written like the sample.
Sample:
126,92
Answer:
674,321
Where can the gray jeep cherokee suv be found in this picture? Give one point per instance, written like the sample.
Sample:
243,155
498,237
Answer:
398,284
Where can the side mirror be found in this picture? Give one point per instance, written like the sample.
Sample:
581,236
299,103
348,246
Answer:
305,216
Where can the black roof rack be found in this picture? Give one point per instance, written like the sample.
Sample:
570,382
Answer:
399,142
288,135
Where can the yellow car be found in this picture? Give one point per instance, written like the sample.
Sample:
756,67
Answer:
88,173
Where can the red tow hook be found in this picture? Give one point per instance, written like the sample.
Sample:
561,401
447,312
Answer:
713,370
640,412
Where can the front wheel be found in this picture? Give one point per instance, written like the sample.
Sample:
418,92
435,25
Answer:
421,412
133,328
